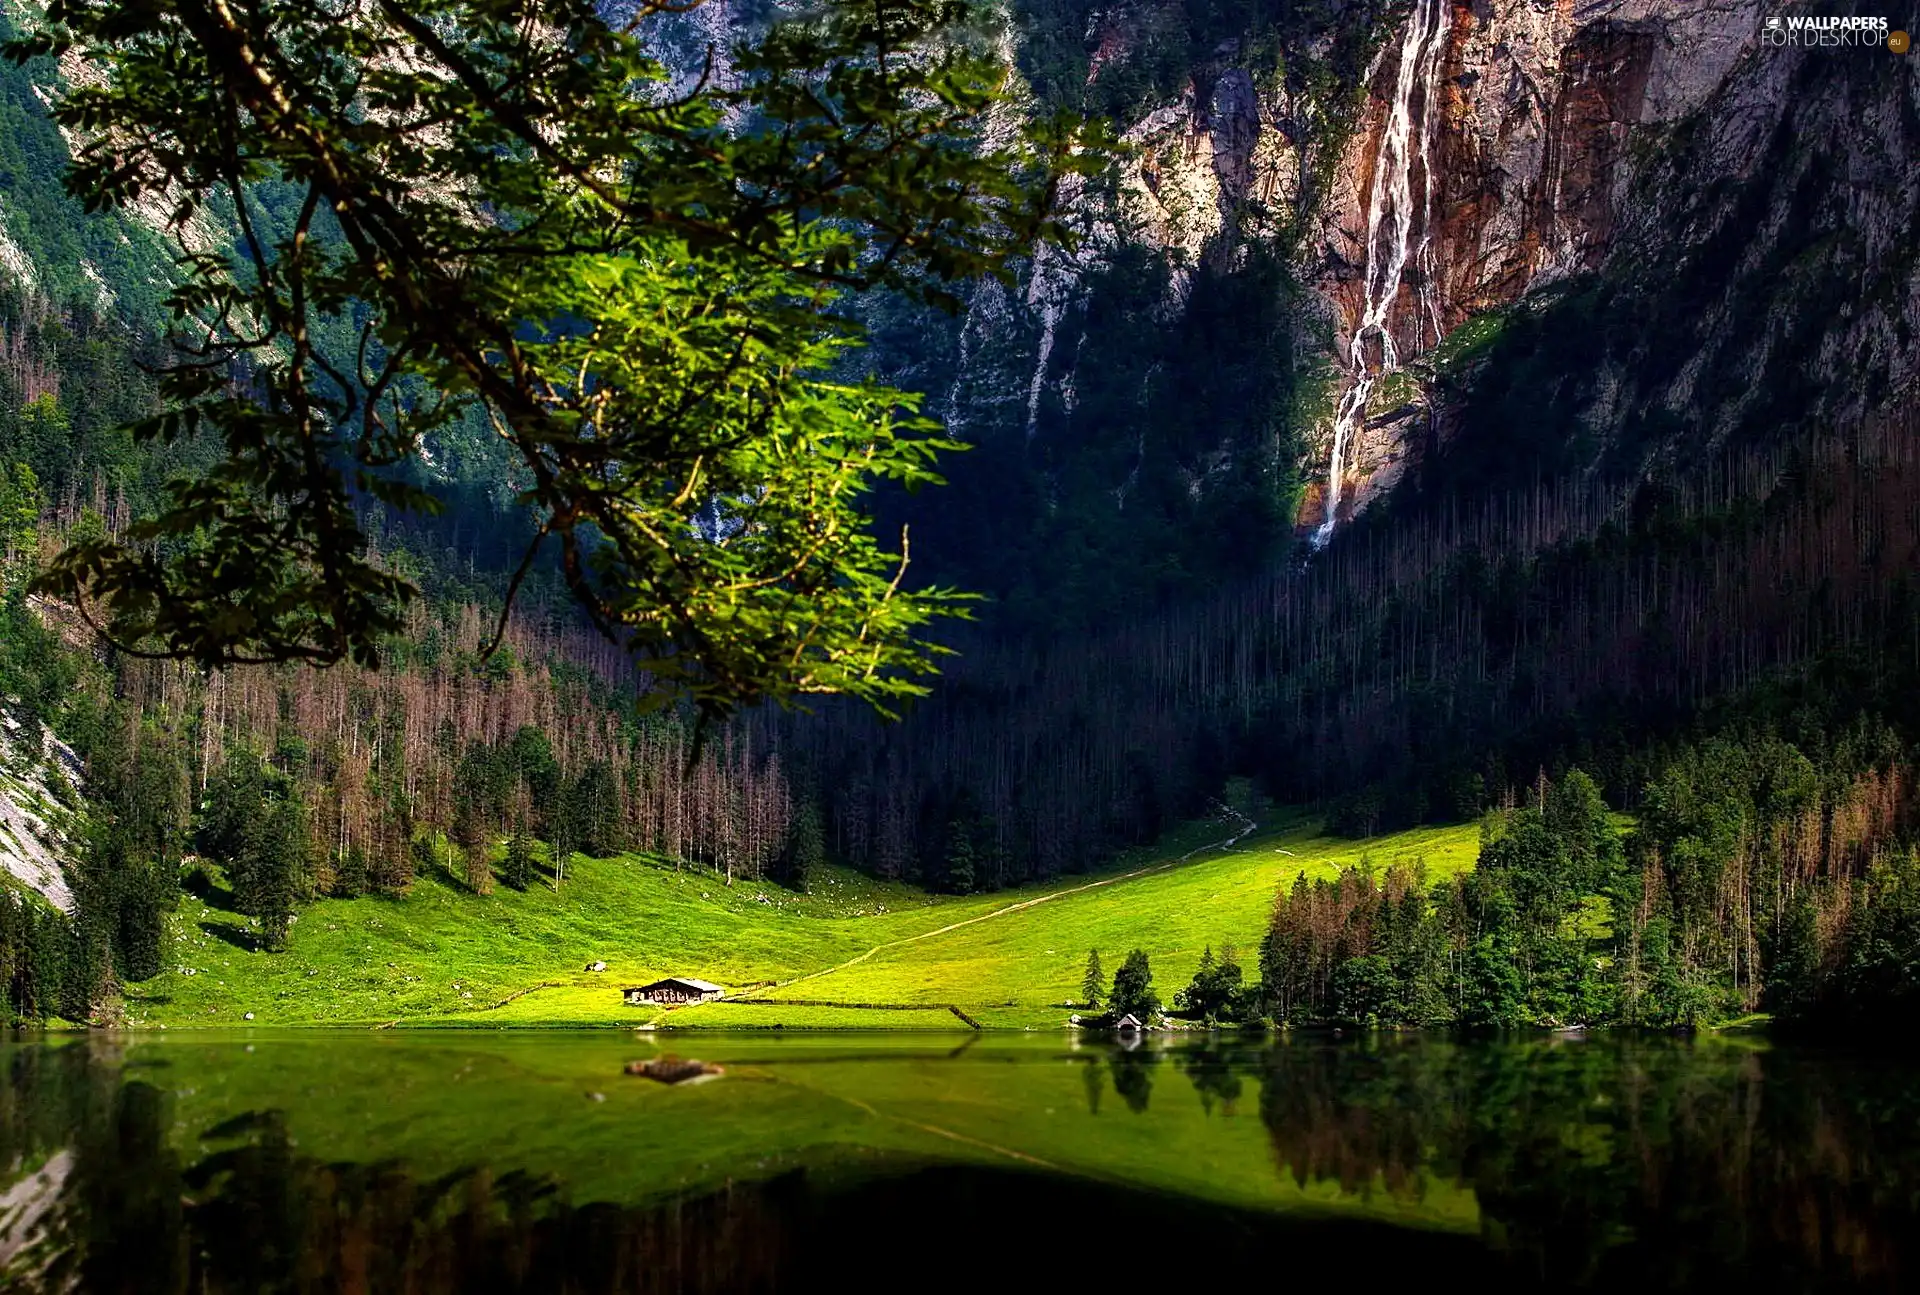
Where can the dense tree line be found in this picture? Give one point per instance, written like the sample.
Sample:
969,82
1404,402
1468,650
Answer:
541,742
1752,880
37,961
267,787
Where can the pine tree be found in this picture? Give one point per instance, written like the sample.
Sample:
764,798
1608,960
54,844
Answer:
85,961
475,800
1133,988
49,957
1793,978
1215,988
425,854
235,799
479,869
1093,986
806,851
349,873
1495,985
15,940
1578,816
959,879
1228,984
1195,996
278,866
146,892
596,810
529,756
519,864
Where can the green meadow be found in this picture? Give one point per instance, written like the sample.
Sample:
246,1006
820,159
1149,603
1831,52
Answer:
853,953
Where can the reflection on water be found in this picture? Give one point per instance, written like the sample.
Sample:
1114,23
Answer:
1598,1163
319,1164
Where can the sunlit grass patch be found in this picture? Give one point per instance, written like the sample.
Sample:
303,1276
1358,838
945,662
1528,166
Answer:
1025,967
876,954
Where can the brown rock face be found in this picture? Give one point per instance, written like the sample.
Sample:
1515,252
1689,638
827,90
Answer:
1531,109
1501,231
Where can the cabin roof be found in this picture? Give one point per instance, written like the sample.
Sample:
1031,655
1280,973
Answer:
703,986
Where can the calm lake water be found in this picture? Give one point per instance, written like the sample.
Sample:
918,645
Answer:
536,1162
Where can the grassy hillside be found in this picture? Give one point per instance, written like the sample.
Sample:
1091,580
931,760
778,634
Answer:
854,953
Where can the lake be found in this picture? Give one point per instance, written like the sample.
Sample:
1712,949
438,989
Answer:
530,1161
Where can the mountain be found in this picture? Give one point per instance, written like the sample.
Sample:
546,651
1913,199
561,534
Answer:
1437,390
1634,312
1706,230
1447,410
1505,149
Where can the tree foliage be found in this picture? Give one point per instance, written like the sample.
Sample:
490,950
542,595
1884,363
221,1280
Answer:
805,850
500,210
1215,991
1750,882
1132,992
255,822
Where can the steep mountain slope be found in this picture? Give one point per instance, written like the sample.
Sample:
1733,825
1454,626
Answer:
37,771
1761,280
1650,302
1705,229
1315,200
1497,155
1571,283
1157,413
1137,404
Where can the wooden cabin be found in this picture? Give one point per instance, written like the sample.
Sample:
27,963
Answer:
674,990
1128,1024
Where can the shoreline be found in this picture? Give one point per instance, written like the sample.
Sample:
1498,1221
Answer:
1756,1025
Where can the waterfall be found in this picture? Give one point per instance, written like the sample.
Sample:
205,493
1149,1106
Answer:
1050,290
960,366
1047,295
1395,231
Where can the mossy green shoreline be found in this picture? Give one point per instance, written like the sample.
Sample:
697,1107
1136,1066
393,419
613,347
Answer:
855,953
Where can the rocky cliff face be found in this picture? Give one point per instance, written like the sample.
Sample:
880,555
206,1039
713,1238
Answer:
1165,375
1541,145
1541,102
1538,116
1759,278
1224,164
1765,256
39,780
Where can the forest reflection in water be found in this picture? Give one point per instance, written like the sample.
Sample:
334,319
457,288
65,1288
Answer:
323,1165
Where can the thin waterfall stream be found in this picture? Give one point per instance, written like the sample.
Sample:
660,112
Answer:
1399,228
